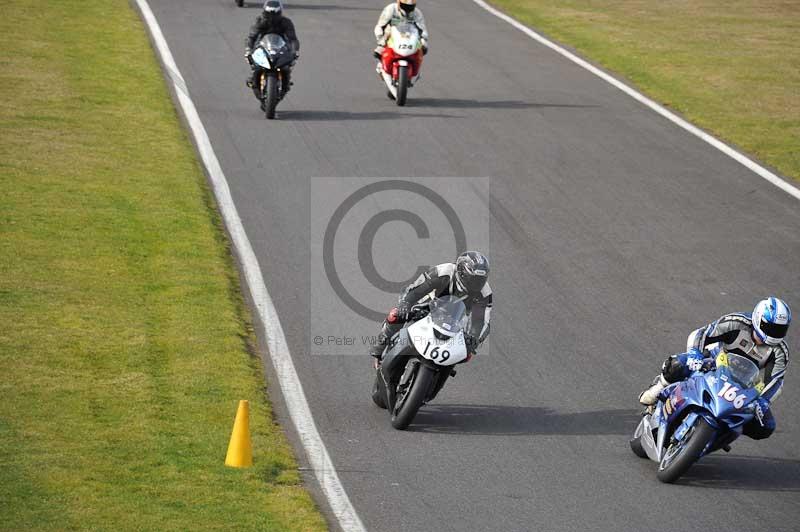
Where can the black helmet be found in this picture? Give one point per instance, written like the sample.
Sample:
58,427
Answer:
273,10
472,271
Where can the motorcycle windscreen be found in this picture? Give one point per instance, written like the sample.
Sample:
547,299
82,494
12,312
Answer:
448,314
273,42
406,30
740,369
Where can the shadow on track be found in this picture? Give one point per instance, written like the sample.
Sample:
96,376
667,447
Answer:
453,103
740,472
312,7
326,7
521,421
326,116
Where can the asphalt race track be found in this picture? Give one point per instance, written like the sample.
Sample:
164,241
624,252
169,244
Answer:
613,234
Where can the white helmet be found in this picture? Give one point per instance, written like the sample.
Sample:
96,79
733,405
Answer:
771,319
407,6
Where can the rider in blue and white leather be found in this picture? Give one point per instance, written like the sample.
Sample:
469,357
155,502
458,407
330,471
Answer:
758,336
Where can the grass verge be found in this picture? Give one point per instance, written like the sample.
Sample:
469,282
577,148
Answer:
123,336
731,67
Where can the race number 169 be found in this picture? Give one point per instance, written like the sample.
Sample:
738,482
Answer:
435,354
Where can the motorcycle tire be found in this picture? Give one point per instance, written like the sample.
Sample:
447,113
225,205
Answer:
636,447
693,444
421,385
239,3
402,85
271,96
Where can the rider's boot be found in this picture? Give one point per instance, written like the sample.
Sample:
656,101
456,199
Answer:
650,395
388,330
376,350
252,82
287,81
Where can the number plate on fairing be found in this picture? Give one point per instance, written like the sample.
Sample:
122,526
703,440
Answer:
442,352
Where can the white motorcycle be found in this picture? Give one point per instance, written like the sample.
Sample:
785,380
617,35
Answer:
399,64
420,358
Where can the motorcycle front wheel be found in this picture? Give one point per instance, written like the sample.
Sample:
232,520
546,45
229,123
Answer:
409,399
636,447
271,96
681,455
402,85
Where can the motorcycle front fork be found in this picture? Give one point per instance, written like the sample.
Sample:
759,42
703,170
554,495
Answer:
442,377
379,71
282,89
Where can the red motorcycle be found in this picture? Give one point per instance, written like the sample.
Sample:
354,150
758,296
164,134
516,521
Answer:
401,60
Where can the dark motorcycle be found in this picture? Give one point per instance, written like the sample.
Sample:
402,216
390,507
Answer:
271,59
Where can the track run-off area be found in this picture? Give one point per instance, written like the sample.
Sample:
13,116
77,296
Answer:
614,232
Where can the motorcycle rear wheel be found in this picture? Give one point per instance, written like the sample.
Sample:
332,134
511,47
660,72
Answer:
406,407
679,459
402,85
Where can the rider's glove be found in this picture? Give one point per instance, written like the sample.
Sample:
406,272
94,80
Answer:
760,409
471,343
709,364
400,313
403,311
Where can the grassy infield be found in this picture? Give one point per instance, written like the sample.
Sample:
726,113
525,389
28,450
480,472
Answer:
123,338
124,344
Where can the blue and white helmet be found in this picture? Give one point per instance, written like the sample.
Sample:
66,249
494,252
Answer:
771,319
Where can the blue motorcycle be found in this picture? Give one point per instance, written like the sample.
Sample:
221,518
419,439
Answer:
698,416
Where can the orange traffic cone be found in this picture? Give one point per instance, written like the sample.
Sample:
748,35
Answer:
240,451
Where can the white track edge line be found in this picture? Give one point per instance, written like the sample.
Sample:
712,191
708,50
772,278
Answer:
633,93
291,387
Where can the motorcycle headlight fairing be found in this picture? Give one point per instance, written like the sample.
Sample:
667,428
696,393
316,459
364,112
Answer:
261,59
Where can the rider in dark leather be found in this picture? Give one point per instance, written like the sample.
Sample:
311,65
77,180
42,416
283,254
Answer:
465,279
271,20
